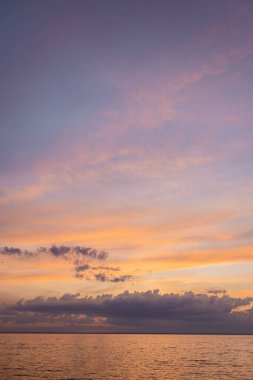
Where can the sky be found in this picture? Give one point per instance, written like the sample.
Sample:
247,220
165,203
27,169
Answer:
126,151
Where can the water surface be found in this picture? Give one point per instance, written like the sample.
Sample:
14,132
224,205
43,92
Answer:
67,356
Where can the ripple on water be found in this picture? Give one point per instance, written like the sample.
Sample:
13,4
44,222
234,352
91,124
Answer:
106,357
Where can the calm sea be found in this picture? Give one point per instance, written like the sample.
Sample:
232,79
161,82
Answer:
59,356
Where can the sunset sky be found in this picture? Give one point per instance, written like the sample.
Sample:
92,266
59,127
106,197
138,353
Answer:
126,162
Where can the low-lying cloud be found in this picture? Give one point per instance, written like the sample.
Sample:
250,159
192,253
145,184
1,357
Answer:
131,312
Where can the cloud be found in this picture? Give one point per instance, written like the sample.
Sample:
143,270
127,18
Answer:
77,255
67,251
104,277
114,269
82,268
217,291
121,278
81,257
11,251
147,311
57,251
79,269
14,251
92,274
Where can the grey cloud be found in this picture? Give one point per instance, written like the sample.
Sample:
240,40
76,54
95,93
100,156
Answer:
137,312
58,251
104,277
100,277
113,269
79,269
14,251
11,251
93,253
78,255
77,250
82,268
102,255
91,272
217,291
121,278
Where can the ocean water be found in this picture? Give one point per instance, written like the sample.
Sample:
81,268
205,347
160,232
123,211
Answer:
76,356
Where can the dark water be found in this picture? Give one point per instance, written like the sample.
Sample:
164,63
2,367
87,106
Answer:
49,356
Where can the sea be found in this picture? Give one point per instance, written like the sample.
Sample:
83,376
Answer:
123,356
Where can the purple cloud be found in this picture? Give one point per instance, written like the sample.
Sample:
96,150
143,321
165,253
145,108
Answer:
135,312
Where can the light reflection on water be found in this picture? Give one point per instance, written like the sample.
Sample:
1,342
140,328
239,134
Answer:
59,356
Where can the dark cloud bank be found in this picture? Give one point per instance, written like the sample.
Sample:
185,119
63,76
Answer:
143,312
